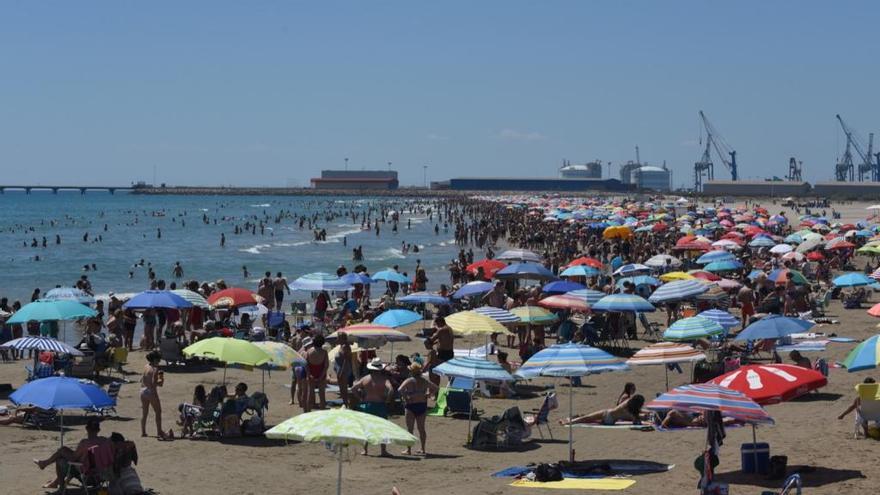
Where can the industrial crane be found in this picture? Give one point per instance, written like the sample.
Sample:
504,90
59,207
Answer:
845,167
715,141
795,170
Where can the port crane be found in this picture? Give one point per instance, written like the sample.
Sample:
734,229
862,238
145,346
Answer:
705,167
844,170
795,170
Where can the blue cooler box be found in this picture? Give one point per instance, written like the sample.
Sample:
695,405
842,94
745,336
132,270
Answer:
748,451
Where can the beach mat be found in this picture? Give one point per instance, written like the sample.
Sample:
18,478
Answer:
578,484
623,426
594,468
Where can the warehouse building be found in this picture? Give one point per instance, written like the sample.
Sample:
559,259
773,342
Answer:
756,188
847,190
356,179
536,184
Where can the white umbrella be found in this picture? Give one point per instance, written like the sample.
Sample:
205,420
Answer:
781,249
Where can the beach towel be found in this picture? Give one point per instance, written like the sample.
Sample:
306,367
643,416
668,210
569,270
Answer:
596,468
683,428
439,408
811,346
578,484
621,426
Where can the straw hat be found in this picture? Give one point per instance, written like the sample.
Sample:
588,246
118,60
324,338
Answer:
376,364
416,368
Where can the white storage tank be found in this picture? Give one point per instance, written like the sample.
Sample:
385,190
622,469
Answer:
592,170
650,177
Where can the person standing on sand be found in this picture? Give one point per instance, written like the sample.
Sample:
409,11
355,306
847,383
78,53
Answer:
317,363
266,291
375,389
151,380
444,339
414,391
280,285
344,368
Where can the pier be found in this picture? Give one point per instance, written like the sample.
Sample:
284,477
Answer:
55,189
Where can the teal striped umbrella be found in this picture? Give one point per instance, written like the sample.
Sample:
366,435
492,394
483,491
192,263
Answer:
51,311
721,317
624,303
592,296
474,369
678,290
693,328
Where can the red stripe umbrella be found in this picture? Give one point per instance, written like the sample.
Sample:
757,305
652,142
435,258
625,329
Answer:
586,260
489,267
704,275
232,297
772,383
565,301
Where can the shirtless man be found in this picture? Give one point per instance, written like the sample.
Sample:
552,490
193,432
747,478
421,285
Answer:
317,363
375,388
280,285
65,455
266,290
344,374
746,298
443,339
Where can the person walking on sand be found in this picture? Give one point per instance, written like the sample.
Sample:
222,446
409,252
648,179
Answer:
151,380
414,391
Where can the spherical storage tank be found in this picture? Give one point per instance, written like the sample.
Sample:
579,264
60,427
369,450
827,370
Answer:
649,177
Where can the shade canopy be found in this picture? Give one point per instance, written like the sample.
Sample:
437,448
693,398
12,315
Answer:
772,383
229,351
51,311
157,299
569,360
774,327
700,398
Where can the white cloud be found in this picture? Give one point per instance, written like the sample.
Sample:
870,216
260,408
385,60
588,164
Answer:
515,135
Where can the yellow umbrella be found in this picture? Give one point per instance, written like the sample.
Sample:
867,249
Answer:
473,323
671,276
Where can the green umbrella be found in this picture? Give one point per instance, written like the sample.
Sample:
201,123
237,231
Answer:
51,311
534,315
193,298
341,427
229,351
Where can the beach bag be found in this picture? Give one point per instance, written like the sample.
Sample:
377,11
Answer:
548,472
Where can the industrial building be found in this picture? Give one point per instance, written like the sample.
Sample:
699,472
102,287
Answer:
769,188
847,190
356,179
591,170
536,184
648,177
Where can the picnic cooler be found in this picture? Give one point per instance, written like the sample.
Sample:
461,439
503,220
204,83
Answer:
748,451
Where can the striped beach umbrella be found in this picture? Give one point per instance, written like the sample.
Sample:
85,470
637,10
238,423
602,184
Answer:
41,344
666,353
534,315
69,294
397,318
565,301
678,290
695,327
369,332
715,256
317,281
864,357
771,383
624,303
569,360
475,369
193,298
581,271
500,315
592,296
721,317
519,255
703,397
473,323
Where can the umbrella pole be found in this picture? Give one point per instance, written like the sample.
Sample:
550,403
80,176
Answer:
339,470
666,370
224,373
263,381
570,414
61,425
470,414
755,446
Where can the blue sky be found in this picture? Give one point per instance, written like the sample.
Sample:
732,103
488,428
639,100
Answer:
266,93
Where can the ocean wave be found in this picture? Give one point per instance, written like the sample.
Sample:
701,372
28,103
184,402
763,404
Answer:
263,205
388,254
256,249
446,243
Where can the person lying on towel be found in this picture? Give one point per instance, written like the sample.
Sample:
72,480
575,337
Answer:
629,410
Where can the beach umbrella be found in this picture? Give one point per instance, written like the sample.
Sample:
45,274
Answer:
489,267
774,327
356,278
794,239
871,250
638,280
424,298
662,260
693,328
473,289
761,241
232,297
281,355
714,256
723,266
703,397
41,344
473,323
51,311
561,287
581,271
534,315
729,244
623,303
228,351
519,255
864,357
341,428
591,296
60,393
853,279
875,310
632,269
475,369
157,299
69,294
809,244
369,332
586,261
781,249
781,276
397,318
666,353
721,317
565,301
569,361
702,274
678,290
771,383
530,271
728,284
391,276
793,255
673,276
500,315
319,281
193,298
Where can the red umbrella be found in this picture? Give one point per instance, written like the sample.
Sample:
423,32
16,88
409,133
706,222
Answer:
875,310
232,297
489,267
586,260
843,245
659,227
815,256
705,275
772,383
565,301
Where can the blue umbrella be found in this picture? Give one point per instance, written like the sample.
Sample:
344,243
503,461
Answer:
356,278
397,318
561,287
581,271
391,276
713,256
51,311
632,269
721,317
318,281
423,298
723,266
773,327
864,357
157,299
623,303
592,296
639,280
692,328
853,279
762,241
60,392
794,239
678,290
473,289
532,271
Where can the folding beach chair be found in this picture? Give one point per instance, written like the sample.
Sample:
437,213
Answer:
42,418
94,473
652,330
118,359
113,393
43,370
869,406
541,416
459,403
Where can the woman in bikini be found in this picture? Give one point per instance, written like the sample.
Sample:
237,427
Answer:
629,410
151,380
414,391
317,365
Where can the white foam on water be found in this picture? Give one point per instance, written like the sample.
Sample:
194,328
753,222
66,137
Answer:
263,205
255,249
388,254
